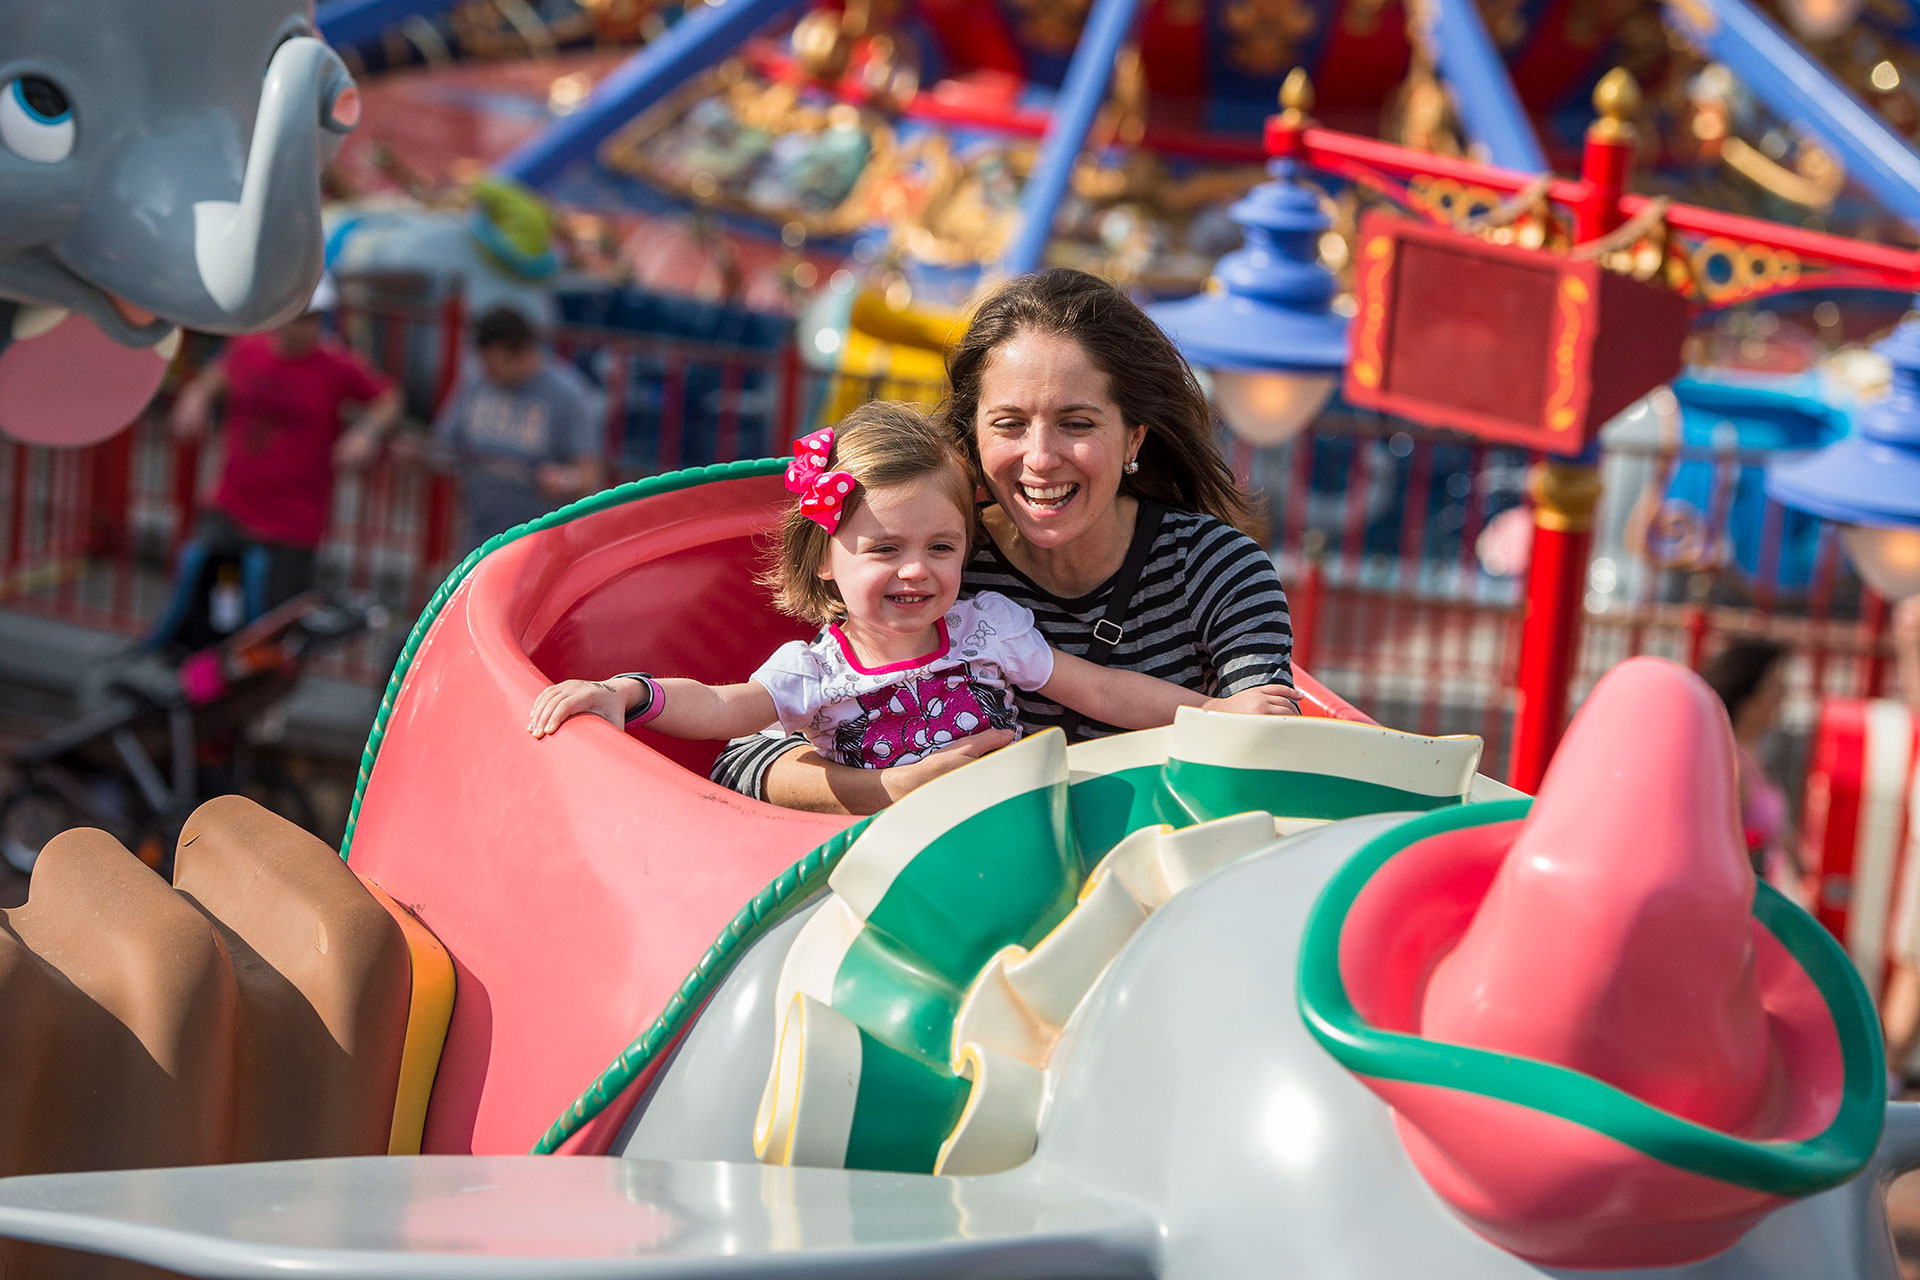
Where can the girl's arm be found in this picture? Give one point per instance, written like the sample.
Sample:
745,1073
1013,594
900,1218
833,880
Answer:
1130,700
688,709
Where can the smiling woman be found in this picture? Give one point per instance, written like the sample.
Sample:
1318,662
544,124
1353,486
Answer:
1112,522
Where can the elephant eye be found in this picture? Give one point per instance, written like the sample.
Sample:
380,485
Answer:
36,120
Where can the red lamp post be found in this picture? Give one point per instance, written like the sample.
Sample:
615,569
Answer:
1565,492
1609,339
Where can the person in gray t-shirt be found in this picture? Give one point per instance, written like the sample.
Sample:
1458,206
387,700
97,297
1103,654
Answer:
521,430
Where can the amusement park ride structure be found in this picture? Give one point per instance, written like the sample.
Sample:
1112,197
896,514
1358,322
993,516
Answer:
1198,1001
1597,348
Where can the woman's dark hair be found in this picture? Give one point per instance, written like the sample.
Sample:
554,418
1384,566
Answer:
1737,671
504,328
1147,378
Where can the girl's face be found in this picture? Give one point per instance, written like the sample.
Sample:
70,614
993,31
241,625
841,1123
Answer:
897,557
1052,441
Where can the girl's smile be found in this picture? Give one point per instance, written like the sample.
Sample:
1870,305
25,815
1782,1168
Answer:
896,561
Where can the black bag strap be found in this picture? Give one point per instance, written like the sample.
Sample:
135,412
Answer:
1112,624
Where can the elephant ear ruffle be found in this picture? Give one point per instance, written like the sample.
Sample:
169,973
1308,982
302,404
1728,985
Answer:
919,1008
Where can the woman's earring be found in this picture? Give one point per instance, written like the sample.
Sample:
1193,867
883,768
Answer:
1133,465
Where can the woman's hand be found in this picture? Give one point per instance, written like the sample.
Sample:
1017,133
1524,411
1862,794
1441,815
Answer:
559,703
1267,700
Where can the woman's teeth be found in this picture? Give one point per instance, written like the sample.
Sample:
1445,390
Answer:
1052,495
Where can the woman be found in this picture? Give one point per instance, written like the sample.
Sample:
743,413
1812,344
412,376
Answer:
1095,443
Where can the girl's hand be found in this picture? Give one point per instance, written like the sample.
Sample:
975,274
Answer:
558,703
1267,700
904,778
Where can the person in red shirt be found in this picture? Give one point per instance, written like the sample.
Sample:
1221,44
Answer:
288,394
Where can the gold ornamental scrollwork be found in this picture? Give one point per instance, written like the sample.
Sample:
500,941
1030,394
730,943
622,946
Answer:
1564,495
1051,25
1724,269
1572,306
1374,263
1446,200
1506,21
736,143
1362,17
1267,35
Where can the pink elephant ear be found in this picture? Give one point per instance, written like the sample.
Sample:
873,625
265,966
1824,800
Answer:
74,385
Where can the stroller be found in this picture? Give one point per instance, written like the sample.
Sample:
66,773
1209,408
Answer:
170,726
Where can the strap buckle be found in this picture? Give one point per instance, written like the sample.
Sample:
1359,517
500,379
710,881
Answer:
1107,631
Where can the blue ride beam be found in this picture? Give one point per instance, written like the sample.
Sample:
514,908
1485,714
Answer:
348,24
1455,36
1798,90
704,37
1081,94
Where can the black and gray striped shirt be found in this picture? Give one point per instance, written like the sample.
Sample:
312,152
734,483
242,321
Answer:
1208,613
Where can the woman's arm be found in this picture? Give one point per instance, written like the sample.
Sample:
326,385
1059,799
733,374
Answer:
688,709
1130,700
1239,609
801,778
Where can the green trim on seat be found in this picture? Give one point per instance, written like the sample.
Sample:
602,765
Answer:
1775,1167
619,495
903,1111
1005,874
895,996
1192,792
1109,807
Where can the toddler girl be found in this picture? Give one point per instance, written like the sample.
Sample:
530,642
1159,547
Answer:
873,551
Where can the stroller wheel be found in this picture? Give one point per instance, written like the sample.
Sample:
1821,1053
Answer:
29,818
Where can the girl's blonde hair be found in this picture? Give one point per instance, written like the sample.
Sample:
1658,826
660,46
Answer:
882,443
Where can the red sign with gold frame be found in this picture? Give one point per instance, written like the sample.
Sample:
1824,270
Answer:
1508,344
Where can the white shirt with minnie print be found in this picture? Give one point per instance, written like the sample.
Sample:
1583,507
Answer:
877,717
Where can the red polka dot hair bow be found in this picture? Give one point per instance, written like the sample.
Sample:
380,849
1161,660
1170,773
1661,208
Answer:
823,493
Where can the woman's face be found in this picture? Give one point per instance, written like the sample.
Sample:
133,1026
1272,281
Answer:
1052,441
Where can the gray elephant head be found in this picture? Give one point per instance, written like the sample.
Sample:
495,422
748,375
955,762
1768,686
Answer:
160,162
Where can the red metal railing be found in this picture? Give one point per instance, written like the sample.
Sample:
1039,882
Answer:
89,536
1377,529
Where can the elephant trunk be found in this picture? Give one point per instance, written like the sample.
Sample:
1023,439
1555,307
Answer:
259,256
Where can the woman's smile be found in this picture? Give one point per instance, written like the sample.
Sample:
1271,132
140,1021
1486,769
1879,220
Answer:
1047,497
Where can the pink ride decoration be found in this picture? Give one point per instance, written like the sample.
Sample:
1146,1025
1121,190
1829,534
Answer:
37,384
575,878
1589,936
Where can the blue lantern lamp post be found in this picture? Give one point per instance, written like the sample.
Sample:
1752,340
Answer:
1263,327
1869,482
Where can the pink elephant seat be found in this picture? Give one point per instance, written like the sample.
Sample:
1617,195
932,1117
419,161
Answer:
577,879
